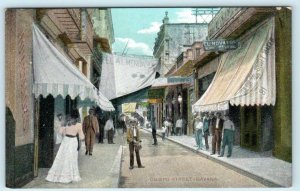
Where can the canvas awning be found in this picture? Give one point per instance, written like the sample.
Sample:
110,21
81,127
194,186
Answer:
245,76
171,81
123,74
55,74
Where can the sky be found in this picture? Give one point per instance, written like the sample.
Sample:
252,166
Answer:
139,26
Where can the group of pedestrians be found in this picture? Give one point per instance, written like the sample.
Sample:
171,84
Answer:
221,129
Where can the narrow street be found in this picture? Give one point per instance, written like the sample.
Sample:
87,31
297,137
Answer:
170,165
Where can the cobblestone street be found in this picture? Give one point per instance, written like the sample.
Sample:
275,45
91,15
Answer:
170,165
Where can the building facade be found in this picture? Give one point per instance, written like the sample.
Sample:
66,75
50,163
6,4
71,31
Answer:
29,118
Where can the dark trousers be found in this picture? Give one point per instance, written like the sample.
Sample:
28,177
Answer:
227,140
132,148
101,134
110,136
154,136
206,134
216,141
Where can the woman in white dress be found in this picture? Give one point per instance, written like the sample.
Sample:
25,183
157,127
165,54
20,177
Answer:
65,166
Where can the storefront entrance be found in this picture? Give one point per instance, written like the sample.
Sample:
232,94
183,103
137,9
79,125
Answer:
250,127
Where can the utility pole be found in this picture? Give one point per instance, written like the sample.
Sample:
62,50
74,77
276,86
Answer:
195,12
125,48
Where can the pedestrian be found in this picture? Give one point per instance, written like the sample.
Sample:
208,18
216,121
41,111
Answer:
109,128
206,123
163,132
153,126
58,122
65,166
75,113
166,124
228,136
217,127
90,128
179,126
198,132
134,141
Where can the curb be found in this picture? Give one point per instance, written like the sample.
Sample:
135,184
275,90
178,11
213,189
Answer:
116,168
258,178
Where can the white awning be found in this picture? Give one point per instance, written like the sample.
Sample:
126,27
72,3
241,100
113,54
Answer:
124,74
55,74
171,81
245,76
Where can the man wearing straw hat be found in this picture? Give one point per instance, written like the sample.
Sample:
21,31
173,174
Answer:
134,141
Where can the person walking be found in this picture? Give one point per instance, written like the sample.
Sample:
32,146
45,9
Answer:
109,127
153,125
134,141
217,127
179,126
163,133
90,128
65,166
206,123
198,132
228,136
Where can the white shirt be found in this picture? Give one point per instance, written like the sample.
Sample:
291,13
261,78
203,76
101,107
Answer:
217,123
228,125
134,132
179,123
199,125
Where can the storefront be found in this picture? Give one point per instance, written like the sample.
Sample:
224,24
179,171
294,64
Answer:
58,87
245,87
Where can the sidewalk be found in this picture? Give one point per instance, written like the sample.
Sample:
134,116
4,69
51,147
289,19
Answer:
262,167
102,170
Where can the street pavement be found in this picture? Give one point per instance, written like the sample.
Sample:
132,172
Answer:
261,166
98,171
170,165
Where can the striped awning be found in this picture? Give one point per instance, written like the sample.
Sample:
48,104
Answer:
245,76
55,74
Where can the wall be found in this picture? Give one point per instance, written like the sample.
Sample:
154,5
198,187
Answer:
283,107
18,96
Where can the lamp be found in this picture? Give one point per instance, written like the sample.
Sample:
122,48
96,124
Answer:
179,99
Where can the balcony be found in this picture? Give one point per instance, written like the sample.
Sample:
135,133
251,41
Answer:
72,26
233,22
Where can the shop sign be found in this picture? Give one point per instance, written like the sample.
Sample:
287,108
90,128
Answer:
220,45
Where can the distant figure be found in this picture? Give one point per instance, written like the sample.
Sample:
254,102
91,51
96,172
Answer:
65,165
217,127
153,125
57,124
167,123
179,126
198,131
90,128
109,128
228,136
134,141
163,132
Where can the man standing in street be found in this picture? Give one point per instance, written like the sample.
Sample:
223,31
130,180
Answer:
134,141
228,136
217,127
206,122
179,126
90,128
109,127
153,125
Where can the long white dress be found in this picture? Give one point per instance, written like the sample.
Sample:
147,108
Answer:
65,166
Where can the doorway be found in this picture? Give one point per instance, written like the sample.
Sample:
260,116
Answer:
250,125
46,132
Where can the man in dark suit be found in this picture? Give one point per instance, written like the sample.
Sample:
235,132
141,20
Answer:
217,127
